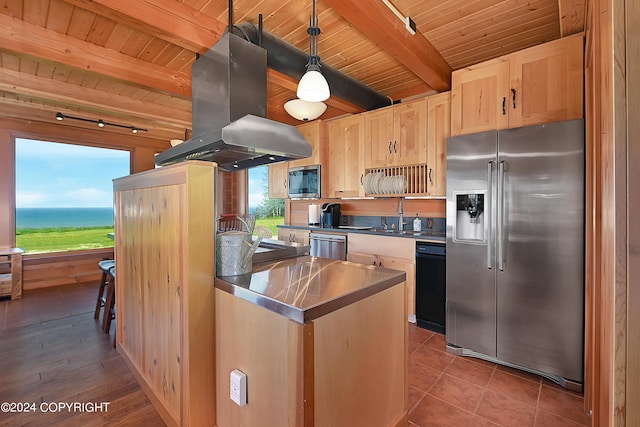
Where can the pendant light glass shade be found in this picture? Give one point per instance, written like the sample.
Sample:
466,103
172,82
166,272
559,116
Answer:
313,87
304,110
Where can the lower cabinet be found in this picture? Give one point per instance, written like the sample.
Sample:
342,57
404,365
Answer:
346,368
373,250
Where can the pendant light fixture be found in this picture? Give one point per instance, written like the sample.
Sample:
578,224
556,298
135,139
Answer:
312,86
304,110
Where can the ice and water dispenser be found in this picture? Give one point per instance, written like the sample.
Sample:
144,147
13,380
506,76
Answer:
470,218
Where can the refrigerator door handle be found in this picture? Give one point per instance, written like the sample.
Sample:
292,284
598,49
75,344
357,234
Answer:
487,211
500,221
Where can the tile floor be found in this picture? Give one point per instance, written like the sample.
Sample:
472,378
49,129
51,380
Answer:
447,390
444,390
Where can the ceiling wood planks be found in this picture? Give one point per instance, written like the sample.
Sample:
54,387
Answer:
130,61
379,24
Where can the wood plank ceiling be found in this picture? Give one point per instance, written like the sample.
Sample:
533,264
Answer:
129,62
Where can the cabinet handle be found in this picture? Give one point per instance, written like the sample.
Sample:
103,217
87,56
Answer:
504,105
361,179
389,147
374,263
430,176
284,182
513,92
394,147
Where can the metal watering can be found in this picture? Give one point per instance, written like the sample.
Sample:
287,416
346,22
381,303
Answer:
234,253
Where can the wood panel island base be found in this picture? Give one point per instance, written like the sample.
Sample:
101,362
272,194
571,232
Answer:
322,343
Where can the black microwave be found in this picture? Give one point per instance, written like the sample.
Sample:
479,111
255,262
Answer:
304,182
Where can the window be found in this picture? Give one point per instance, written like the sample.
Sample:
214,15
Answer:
268,212
64,195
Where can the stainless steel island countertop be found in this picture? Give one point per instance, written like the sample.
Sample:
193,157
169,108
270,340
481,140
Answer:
306,288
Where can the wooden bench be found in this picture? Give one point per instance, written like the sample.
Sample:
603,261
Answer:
11,272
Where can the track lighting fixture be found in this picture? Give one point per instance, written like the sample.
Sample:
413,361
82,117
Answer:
101,123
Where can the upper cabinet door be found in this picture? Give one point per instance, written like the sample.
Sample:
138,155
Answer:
314,133
479,96
410,133
278,180
438,130
547,82
541,84
378,137
346,160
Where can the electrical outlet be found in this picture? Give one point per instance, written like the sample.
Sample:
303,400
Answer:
238,387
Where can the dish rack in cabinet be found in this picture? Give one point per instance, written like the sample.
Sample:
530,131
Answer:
410,180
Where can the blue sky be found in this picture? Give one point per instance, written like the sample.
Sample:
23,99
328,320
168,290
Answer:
66,175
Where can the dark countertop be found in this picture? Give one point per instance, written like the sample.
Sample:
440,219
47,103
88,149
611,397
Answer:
425,235
306,288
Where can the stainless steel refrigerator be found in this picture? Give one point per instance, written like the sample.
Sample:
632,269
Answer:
515,248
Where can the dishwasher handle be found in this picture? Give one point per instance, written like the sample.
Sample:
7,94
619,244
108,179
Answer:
327,238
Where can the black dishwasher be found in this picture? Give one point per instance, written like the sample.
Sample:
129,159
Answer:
431,285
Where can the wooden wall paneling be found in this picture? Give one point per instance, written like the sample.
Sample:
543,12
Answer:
62,268
619,174
632,40
591,193
7,188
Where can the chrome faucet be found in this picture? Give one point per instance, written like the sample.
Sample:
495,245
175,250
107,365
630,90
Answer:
401,218
383,221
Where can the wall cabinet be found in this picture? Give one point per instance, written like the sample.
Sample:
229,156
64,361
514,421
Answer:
372,250
537,85
396,135
438,130
315,133
278,180
345,167
294,236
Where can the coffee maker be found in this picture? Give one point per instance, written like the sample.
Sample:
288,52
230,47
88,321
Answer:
330,215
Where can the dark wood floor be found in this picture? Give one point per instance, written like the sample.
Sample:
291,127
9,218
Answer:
52,350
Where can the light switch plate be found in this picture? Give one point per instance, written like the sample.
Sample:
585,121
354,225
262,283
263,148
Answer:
238,387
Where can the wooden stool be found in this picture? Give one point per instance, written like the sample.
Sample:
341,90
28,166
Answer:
109,306
104,265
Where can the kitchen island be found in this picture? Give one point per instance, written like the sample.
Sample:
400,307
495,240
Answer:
322,342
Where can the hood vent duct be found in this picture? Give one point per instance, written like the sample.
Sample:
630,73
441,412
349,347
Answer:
229,106
289,60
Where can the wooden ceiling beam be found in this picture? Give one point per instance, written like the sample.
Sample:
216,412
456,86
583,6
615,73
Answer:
185,27
42,88
169,20
379,24
24,38
572,16
40,112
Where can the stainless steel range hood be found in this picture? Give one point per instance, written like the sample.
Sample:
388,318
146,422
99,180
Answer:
229,106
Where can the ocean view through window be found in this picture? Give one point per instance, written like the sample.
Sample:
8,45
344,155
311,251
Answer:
64,195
